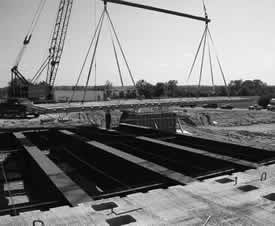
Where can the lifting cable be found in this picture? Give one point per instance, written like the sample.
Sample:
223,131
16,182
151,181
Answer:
96,36
204,39
202,59
211,66
93,57
220,66
204,9
197,53
95,26
30,31
204,42
117,61
36,16
86,57
120,47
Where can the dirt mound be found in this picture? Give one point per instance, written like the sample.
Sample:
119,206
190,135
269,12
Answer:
240,117
252,128
256,139
196,119
225,118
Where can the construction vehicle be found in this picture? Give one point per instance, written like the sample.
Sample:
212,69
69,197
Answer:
21,89
17,108
255,107
210,105
227,106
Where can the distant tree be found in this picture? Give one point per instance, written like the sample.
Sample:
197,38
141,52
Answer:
252,88
121,94
114,95
160,89
247,88
171,88
108,87
130,94
264,100
234,87
221,91
180,92
144,88
259,87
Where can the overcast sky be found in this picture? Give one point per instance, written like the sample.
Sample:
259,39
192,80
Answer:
158,47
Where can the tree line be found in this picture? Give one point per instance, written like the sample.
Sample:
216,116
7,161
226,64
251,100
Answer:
172,89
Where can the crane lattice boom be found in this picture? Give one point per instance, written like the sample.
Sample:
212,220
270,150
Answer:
58,39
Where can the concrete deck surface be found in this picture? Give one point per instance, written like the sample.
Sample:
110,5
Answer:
210,202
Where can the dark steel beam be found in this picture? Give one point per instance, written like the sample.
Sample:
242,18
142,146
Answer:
71,192
205,19
165,172
201,152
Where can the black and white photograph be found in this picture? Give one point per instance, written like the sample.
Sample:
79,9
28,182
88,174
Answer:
137,112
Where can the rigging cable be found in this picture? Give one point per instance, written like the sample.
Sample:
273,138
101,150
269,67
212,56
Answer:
202,38
204,9
117,61
220,66
211,66
197,52
95,26
95,48
202,59
30,31
119,44
36,16
86,57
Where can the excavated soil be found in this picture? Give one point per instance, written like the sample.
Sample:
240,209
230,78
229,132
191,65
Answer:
252,128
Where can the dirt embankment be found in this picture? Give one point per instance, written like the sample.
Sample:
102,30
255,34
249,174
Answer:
253,128
226,118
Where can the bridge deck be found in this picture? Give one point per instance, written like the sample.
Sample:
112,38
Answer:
133,103
199,203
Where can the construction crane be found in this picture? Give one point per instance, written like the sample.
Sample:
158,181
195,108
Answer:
22,90
58,41
20,86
